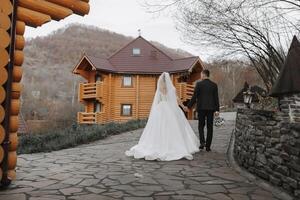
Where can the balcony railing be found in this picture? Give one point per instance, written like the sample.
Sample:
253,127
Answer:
90,118
90,91
185,91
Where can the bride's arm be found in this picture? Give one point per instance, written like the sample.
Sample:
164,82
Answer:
180,103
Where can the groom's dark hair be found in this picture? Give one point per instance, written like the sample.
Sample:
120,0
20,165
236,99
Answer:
206,72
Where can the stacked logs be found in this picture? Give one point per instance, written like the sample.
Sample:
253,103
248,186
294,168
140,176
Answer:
9,93
32,13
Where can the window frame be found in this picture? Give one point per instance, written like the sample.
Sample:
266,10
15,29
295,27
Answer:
100,105
123,81
131,108
135,54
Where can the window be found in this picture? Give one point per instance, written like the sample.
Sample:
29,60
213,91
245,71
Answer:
98,77
136,51
97,107
127,81
126,109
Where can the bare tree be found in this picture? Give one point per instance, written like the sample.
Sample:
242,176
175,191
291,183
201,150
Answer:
259,30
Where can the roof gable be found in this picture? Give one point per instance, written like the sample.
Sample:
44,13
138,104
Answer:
83,63
151,58
288,81
151,61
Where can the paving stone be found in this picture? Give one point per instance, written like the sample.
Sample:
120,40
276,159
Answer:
95,190
91,197
219,196
70,191
239,197
209,188
13,197
89,182
72,181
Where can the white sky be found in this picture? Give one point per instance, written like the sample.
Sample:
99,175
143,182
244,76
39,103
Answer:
124,17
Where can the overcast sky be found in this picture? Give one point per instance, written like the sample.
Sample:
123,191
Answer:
125,17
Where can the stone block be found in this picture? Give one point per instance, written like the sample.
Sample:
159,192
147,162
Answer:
277,159
285,156
292,182
293,165
283,170
295,175
275,141
275,181
262,174
273,151
284,138
287,187
291,150
275,134
258,133
261,158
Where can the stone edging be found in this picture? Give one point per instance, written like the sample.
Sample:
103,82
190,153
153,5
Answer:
252,178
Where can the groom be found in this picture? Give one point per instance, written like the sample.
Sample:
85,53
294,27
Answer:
206,96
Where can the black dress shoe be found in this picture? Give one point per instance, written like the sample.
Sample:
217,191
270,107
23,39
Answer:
208,149
201,146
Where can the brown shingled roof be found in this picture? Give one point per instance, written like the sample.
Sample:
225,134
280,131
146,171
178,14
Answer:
151,60
288,81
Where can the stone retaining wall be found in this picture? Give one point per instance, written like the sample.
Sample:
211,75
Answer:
267,144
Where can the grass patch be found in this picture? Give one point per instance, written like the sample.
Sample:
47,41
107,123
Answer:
75,135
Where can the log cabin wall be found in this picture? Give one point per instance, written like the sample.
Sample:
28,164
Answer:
14,16
140,96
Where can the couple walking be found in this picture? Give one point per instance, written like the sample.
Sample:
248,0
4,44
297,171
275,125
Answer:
168,135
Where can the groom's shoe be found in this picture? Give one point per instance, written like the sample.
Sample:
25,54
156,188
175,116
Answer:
202,146
208,149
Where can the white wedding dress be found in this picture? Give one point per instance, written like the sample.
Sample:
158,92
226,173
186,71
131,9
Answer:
167,135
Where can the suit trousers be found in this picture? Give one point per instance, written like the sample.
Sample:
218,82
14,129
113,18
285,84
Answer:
206,116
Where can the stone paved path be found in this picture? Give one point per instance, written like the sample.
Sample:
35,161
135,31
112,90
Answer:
100,171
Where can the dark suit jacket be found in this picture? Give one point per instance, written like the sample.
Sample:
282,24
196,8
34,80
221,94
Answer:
206,96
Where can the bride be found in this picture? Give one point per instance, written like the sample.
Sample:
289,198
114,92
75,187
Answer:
167,135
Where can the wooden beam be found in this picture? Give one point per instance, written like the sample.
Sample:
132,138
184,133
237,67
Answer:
19,57
4,57
6,7
4,38
15,106
17,73
2,134
4,22
32,18
20,27
78,7
2,94
3,75
20,42
56,12
2,114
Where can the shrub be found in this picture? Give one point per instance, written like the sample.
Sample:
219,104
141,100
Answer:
53,140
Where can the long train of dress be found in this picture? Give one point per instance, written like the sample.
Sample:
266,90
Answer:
167,136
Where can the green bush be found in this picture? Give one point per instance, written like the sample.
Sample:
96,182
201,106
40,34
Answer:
72,136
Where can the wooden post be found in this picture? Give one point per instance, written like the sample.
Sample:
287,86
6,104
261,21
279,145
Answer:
109,99
9,157
137,96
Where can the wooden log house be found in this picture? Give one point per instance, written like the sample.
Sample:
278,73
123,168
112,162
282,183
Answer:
15,15
122,87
